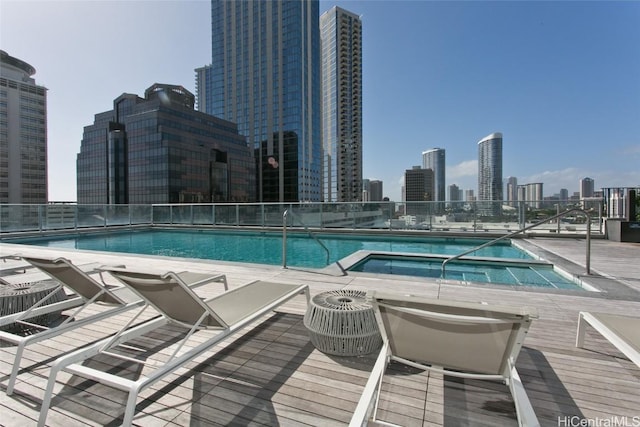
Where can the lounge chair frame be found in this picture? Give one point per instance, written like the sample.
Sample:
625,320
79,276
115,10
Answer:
88,292
461,314
71,362
604,324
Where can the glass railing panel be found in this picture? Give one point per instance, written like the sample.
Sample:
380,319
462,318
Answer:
310,214
249,214
181,214
477,217
140,214
19,218
58,216
203,214
117,215
273,213
161,214
225,215
91,216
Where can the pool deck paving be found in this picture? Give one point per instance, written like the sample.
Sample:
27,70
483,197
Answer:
271,374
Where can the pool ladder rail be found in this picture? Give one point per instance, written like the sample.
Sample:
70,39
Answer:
313,236
506,236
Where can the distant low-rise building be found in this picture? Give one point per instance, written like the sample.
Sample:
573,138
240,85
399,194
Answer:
532,194
375,191
419,187
158,149
586,187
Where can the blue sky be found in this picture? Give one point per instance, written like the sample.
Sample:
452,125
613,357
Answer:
560,80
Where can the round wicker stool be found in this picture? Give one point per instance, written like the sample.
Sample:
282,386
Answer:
342,323
15,298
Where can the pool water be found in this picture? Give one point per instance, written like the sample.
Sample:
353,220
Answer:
266,247
535,275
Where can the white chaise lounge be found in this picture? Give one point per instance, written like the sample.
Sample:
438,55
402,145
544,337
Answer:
178,305
88,291
464,340
621,331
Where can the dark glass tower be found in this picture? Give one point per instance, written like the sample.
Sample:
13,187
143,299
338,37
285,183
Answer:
265,76
158,149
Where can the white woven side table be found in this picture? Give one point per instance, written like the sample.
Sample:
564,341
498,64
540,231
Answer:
342,323
15,298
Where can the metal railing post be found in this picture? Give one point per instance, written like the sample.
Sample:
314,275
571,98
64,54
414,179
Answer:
588,260
284,238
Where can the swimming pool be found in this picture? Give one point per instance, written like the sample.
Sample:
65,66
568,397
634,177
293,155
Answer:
501,263
266,247
502,272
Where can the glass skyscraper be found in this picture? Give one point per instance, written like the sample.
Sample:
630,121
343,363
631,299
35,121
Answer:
434,159
341,35
490,175
158,149
265,76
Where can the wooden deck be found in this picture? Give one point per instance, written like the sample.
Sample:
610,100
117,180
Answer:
270,373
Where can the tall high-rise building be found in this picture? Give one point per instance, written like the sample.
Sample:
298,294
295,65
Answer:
265,76
490,174
434,159
341,36
158,149
512,190
23,134
586,187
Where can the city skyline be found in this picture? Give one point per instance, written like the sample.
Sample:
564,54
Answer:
559,80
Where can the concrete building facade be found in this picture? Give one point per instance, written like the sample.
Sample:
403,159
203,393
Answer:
23,134
490,175
434,159
341,37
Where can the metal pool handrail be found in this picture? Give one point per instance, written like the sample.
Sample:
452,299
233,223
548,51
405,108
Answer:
284,238
506,236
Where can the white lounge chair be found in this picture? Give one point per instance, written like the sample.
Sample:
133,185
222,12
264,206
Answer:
621,331
11,264
87,291
465,340
178,305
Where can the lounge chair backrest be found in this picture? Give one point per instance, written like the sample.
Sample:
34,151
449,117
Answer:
62,270
457,336
171,298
